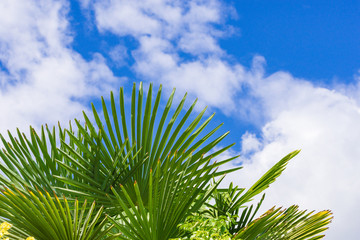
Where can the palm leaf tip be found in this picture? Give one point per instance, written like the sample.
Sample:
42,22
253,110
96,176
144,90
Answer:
269,177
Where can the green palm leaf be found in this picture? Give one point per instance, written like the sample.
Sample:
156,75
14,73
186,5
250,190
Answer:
106,153
232,199
264,182
289,224
44,217
174,192
32,163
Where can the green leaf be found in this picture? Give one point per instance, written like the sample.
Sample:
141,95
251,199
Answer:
45,217
288,224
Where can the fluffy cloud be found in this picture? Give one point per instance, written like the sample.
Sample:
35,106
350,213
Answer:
212,80
165,31
324,124
42,79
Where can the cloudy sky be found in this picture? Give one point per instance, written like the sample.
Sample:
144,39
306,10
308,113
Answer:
281,75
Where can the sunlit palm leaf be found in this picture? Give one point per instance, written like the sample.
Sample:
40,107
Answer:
289,224
92,175
174,192
30,163
44,217
150,137
264,182
231,200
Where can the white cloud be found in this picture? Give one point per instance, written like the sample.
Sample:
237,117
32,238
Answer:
212,80
198,43
119,55
125,17
42,79
324,124
250,143
167,29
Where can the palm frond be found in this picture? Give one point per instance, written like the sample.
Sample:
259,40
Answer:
108,152
45,217
175,191
30,163
230,200
288,224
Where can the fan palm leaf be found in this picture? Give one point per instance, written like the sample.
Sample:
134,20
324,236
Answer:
45,217
233,200
109,154
174,192
30,163
288,224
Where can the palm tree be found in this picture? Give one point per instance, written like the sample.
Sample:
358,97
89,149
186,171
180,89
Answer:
144,174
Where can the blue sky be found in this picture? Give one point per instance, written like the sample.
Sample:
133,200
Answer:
281,75
311,39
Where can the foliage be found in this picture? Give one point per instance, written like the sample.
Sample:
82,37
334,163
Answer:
149,175
199,226
275,224
173,191
49,218
286,224
230,217
233,200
